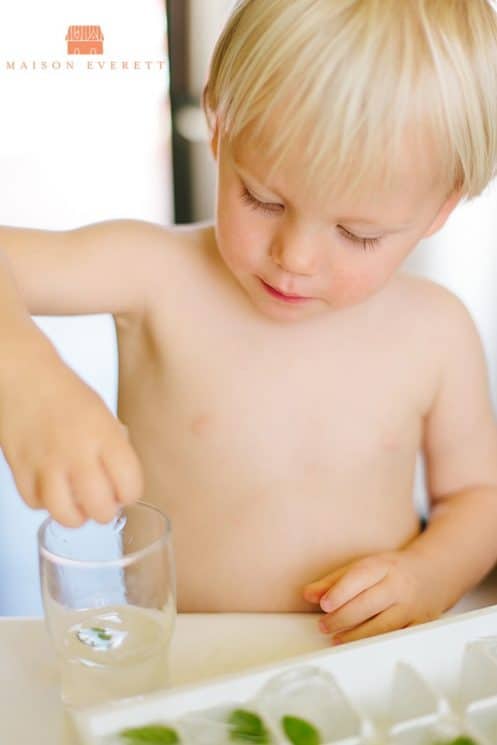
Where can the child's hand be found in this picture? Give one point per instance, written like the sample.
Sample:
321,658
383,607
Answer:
68,453
374,595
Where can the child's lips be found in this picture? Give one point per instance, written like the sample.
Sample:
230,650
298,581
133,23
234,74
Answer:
282,295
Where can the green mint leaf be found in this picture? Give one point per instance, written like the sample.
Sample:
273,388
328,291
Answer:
247,727
154,734
300,732
461,740
102,634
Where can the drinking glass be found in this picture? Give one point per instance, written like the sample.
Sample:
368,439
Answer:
109,598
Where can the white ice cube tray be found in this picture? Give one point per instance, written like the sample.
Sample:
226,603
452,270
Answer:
421,686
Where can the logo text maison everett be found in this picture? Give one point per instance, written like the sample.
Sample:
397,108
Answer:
23,65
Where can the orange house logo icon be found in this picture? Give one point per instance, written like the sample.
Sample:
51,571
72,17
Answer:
85,40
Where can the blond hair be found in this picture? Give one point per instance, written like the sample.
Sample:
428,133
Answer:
336,83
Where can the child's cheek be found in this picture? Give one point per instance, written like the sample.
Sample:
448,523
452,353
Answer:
237,245
246,257
348,287
244,243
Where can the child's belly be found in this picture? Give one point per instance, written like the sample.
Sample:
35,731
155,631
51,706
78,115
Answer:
265,499
258,552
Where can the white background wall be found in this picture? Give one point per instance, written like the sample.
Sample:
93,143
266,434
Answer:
77,147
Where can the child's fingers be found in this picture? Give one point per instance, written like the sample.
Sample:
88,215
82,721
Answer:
55,495
359,577
124,470
360,609
314,591
392,619
26,486
93,492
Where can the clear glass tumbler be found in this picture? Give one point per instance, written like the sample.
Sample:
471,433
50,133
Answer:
110,604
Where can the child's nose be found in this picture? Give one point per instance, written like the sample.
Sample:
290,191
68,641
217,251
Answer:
295,253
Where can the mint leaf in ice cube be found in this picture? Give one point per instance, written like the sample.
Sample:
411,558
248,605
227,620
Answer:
247,727
154,734
300,732
102,634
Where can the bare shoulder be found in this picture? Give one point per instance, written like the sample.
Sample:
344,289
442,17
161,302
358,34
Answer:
438,335
176,266
443,332
185,244
433,309
178,254
154,258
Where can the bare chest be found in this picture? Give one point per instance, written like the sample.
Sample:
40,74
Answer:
253,408
235,399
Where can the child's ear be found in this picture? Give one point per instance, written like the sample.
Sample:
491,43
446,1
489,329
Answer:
444,213
212,122
214,139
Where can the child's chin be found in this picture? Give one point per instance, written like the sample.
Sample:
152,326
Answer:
288,313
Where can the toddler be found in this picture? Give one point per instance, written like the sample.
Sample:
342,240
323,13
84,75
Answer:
278,373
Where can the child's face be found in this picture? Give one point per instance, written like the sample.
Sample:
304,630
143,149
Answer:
296,258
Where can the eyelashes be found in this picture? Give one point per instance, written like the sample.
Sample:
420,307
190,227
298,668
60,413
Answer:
269,208
368,244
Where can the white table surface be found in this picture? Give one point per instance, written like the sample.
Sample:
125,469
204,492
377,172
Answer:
204,646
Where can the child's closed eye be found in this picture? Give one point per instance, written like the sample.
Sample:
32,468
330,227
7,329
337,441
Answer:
268,208
368,244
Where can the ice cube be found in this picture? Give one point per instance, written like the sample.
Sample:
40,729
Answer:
479,671
228,725
313,696
413,697
481,718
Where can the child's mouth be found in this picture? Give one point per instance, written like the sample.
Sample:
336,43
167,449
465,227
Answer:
281,295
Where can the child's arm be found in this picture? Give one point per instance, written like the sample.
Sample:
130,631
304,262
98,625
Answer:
101,268
397,589
68,454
